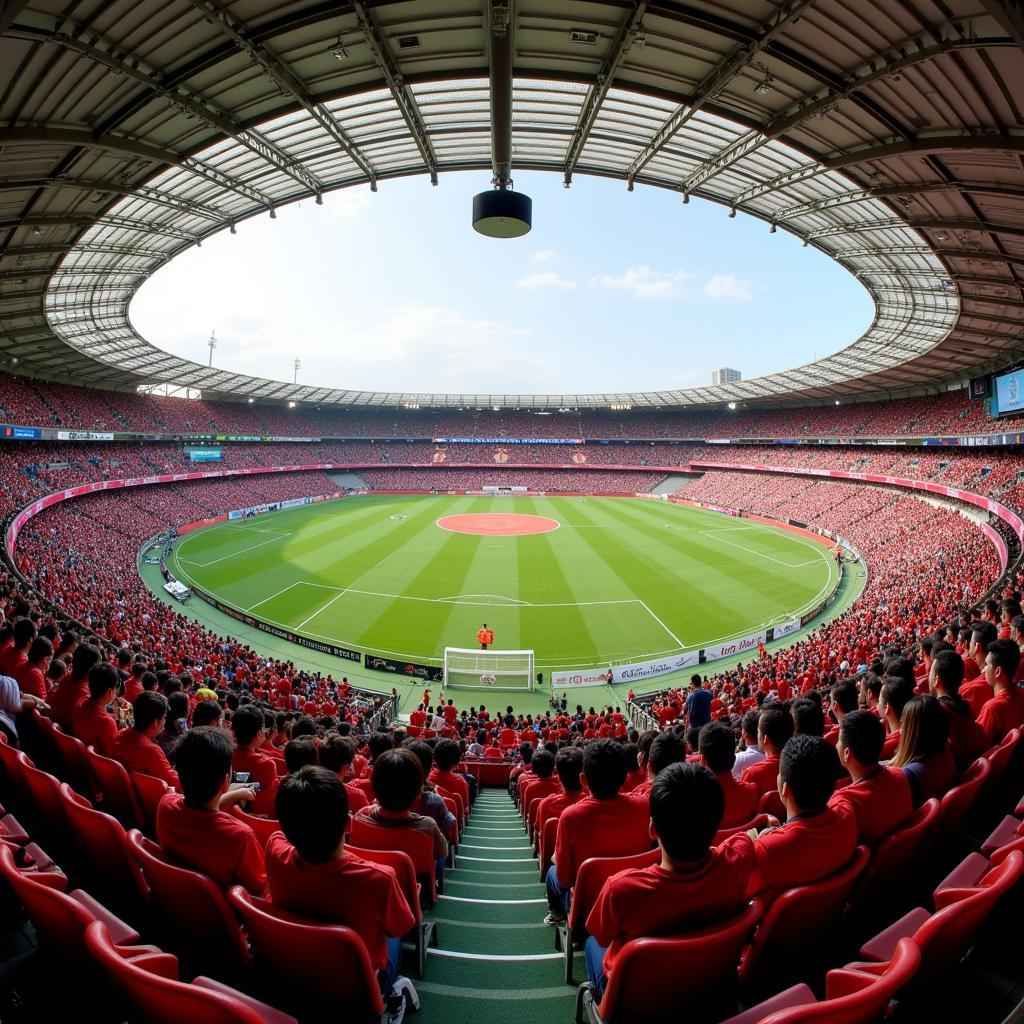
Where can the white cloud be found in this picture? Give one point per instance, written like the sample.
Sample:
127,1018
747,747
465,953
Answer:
545,279
544,255
643,282
729,288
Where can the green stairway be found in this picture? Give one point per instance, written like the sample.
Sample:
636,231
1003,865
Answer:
496,959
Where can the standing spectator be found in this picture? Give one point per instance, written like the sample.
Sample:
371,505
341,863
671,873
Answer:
698,704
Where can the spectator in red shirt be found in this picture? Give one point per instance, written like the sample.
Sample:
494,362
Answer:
337,754
966,738
977,691
774,729
300,752
74,686
31,674
569,769
196,829
693,886
446,759
879,797
604,824
90,721
430,804
817,839
543,782
924,753
896,691
843,698
1005,710
14,657
739,799
312,874
666,748
136,748
247,727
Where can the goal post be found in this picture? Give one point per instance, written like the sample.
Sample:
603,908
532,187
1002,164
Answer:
469,669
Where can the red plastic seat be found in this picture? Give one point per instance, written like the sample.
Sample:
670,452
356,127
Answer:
1008,830
591,877
149,791
548,835
150,985
759,822
800,917
895,855
104,844
649,986
450,794
323,969
60,918
416,844
114,791
13,761
956,805
851,996
46,800
192,905
945,936
999,758
263,828
74,767
771,803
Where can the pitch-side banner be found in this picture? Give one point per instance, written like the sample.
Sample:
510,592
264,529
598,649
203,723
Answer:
580,677
785,628
649,669
747,643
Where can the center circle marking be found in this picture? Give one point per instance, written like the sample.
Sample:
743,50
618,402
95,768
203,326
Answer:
497,524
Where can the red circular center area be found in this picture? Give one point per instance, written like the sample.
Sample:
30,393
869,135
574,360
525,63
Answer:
498,524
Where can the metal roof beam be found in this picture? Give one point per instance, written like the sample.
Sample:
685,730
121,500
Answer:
287,82
59,250
716,81
1009,15
626,36
888,191
500,17
925,223
110,220
403,95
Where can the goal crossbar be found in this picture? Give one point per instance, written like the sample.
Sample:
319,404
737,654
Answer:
473,669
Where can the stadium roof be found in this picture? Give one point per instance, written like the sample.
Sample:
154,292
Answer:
886,133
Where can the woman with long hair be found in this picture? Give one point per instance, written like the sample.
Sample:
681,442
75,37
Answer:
923,752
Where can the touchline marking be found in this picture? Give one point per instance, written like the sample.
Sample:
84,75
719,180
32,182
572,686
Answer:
342,593
771,558
234,554
277,593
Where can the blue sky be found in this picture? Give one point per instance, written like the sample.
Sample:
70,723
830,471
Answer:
610,291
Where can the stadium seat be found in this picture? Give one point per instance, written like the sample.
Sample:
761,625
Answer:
424,933
945,936
149,983
192,907
590,880
771,803
999,759
13,761
114,790
547,845
758,822
417,845
322,970
74,769
957,804
648,985
264,828
46,800
799,918
851,996
149,791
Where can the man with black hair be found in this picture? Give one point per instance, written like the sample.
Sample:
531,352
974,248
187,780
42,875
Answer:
136,748
843,698
692,886
895,693
207,713
977,690
31,674
774,729
751,754
195,827
878,796
12,658
447,756
739,799
377,743
698,704
666,748
337,754
300,752
74,686
90,721
966,737
543,782
817,839
569,769
249,764
1005,711
604,824
808,718
313,875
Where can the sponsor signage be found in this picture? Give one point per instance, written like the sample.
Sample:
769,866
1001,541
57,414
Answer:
650,669
21,433
84,435
785,629
733,647
430,673
580,677
508,440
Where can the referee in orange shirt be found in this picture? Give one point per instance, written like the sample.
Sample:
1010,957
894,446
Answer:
485,637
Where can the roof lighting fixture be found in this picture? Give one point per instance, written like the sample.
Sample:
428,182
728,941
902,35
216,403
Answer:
291,405
251,400
339,51
732,212
273,214
772,229
583,35
732,405
837,401
764,85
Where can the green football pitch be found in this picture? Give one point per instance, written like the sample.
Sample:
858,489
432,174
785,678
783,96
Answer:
618,580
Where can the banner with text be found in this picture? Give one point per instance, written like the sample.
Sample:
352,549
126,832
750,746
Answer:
785,629
649,669
579,677
733,647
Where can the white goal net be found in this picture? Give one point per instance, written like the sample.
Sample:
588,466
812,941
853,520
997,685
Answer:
468,669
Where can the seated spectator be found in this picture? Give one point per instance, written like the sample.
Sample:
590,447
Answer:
977,690
14,657
446,759
817,839
136,748
774,729
751,753
31,674
739,799
74,686
543,782
569,769
924,753
397,781
90,721
843,698
431,804
878,796
693,886
1005,710
966,737
300,752
604,824
337,754
667,747
12,703
208,712
195,828
891,701
313,875
808,717
250,765
176,725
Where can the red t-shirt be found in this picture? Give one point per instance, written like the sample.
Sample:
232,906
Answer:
350,891
880,802
68,693
741,800
139,753
356,797
649,902
30,679
213,842
552,806
806,848
977,693
599,828
452,782
94,726
539,788
1005,711
763,774
966,737
261,769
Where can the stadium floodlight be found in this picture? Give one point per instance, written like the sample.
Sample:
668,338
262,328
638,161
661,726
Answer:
339,51
732,405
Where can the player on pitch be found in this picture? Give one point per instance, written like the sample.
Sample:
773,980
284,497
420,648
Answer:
485,637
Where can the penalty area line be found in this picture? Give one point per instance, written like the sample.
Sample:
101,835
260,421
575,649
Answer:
647,608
